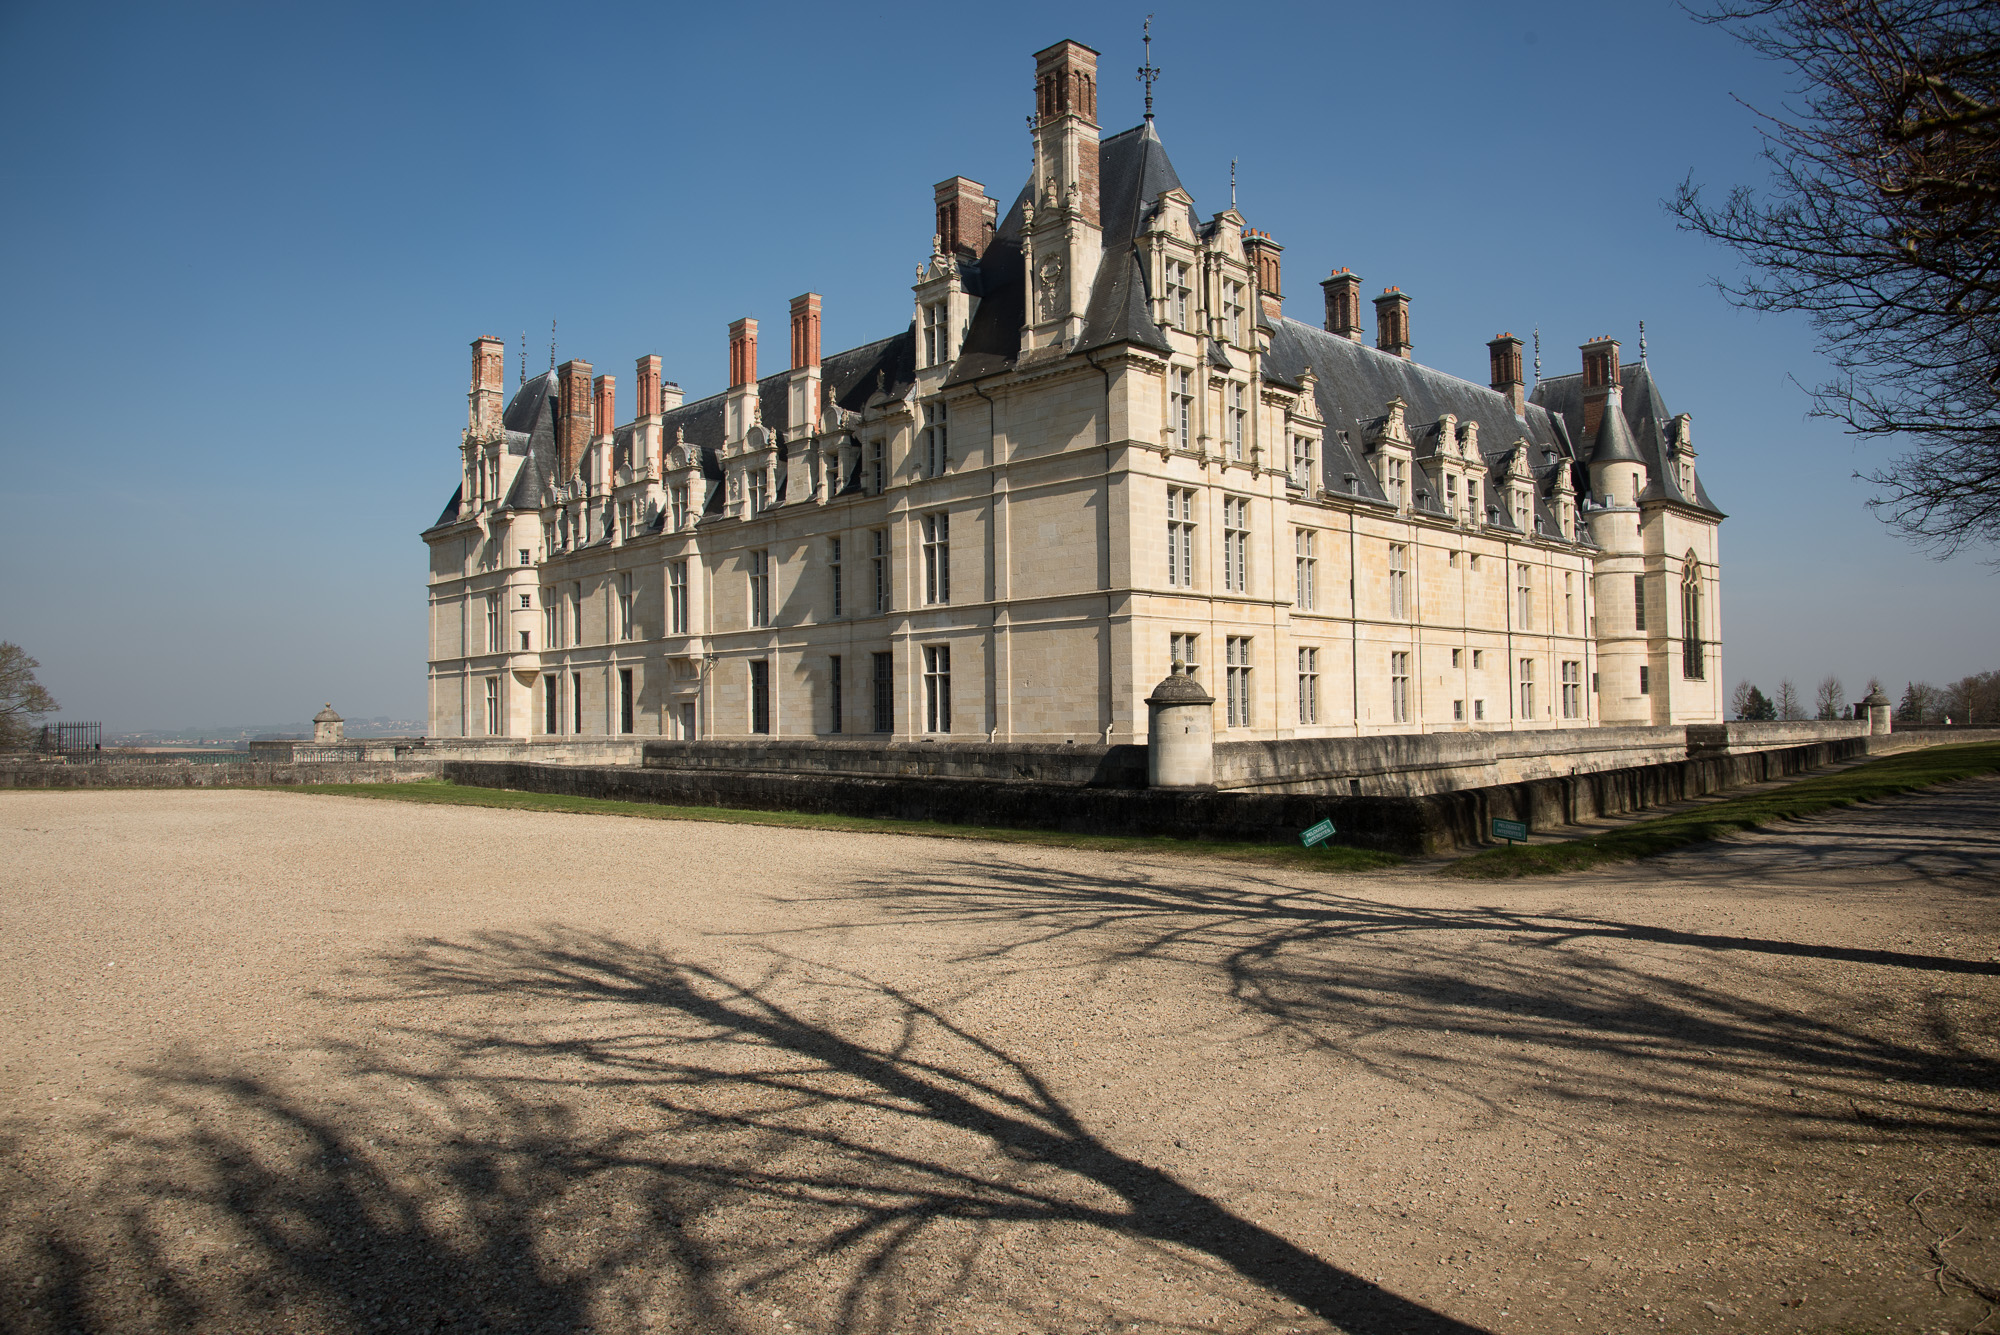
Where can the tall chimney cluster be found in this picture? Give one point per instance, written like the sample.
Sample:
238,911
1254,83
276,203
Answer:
1504,354
1343,303
1600,375
1264,254
805,330
742,352
1392,323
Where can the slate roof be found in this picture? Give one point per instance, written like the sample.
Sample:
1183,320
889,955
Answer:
1646,419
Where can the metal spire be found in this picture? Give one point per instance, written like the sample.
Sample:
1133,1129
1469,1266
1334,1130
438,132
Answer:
524,357
1147,74
1232,183
552,343
1642,342
1538,354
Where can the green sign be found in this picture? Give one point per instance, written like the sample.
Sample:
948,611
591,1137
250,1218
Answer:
1510,830
1318,834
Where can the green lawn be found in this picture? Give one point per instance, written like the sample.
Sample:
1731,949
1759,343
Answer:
1323,858
1877,778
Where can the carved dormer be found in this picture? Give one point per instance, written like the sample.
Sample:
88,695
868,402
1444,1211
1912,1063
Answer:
1306,438
1680,453
1562,499
1517,483
1390,453
944,308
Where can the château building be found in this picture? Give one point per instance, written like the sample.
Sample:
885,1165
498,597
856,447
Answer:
1101,446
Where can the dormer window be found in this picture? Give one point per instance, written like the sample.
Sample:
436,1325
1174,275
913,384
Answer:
1395,481
1232,311
1302,462
935,453
1472,500
1182,409
1239,418
937,335
1451,496
678,498
1180,297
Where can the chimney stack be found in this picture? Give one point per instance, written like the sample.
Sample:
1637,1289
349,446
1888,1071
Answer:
1263,253
670,396
573,416
1392,323
487,401
1066,123
965,217
742,352
604,397
805,333
1600,374
648,375
1343,304
1505,354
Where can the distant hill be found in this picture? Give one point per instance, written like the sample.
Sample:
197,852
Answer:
376,726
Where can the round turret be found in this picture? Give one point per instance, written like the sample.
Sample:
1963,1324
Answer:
328,727
1180,733
1879,711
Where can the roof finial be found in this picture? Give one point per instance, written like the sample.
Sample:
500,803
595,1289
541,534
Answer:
1642,342
1232,183
552,343
1538,354
1147,74
524,357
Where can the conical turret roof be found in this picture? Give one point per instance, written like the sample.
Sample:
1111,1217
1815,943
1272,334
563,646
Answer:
1614,439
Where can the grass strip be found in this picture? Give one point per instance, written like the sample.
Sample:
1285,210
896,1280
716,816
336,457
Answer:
1887,777
438,791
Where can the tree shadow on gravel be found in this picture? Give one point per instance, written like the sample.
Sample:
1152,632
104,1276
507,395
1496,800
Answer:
582,1133
1581,1007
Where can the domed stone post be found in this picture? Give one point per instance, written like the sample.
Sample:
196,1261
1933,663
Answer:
1180,733
328,727
1880,713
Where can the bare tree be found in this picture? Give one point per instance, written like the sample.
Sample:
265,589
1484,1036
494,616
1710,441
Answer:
1789,708
22,699
1881,224
1920,703
1739,700
1830,699
1974,699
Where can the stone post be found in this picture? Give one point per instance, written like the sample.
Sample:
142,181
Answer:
1180,733
328,728
1879,713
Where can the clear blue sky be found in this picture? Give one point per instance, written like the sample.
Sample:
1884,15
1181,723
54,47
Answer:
246,247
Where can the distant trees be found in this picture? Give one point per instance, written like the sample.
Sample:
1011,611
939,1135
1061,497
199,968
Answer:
1789,709
1751,705
1974,699
1920,703
1881,225
22,699
1829,699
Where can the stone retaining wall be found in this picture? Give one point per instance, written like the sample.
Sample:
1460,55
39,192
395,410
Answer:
226,774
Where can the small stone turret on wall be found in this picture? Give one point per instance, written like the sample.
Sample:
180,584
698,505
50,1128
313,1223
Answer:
328,727
1180,733
1878,710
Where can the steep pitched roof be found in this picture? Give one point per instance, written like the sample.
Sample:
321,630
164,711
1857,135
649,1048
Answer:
1645,421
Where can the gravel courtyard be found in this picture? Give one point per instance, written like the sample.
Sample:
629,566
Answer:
273,1062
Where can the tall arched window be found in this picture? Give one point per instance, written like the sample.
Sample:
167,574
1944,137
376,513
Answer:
1694,662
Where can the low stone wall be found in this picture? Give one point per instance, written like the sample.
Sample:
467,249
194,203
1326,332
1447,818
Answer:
1415,764
542,750
1740,736
228,774
1009,762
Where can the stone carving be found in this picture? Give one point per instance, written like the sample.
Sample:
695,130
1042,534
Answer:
1054,299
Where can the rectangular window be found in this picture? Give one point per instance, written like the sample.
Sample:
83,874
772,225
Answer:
526,558
1236,544
626,604
1472,511
1232,311
834,691
760,695
937,688
760,588
1180,537
1179,294
881,559
551,706
1185,650
1524,598
1239,418
936,454
1478,710
576,702
1457,656
492,706
1396,481
1305,559
885,692
1302,463
679,499
1451,502
526,601
1399,580
1308,684
878,467
833,577
492,624
1694,664
1572,689
1180,418
1645,680
627,706
677,596
690,727
1478,659
1569,603
524,641
1236,656
937,558
936,350
1527,688
1399,687
576,613
1458,711
1638,602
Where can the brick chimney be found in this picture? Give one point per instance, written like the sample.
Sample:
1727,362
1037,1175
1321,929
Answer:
670,396
487,400
1505,354
604,399
573,416
1263,253
965,217
742,352
1600,373
648,378
805,333
1343,304
1066,123
1392,322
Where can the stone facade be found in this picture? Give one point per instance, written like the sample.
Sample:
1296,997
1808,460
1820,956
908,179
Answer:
1100,447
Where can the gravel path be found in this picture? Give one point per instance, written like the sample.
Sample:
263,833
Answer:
273,1062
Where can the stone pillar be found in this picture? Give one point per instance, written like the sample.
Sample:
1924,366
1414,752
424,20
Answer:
1180,734
328,728
1876,708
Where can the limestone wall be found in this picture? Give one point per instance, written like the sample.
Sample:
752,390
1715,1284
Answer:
226,774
